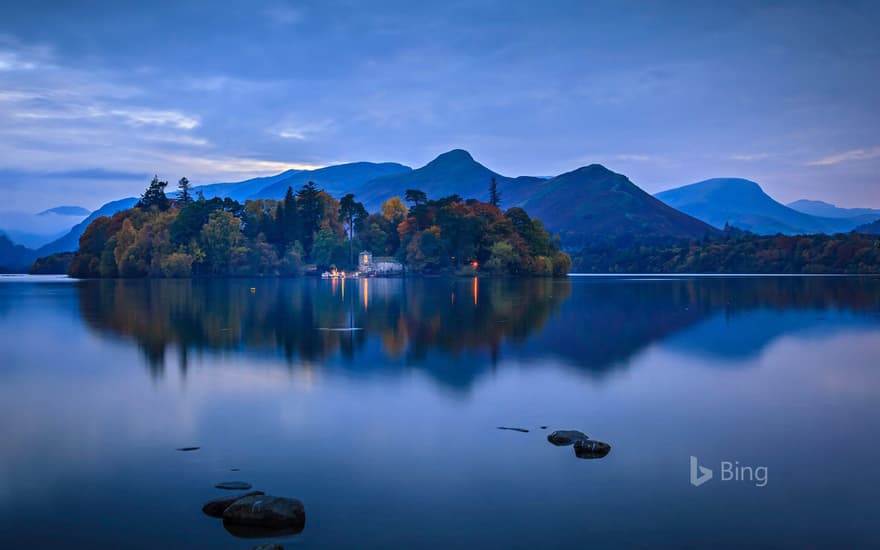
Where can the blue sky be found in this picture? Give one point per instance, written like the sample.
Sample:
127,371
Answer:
95,98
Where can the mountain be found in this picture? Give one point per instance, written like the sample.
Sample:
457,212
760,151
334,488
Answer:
872,228
241,190
336,180
593,204
454,172
35,230
14,258
743,204
73,211
857,216
70,241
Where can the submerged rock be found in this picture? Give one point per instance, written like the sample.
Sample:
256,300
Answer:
566,437
256,532
591,449
268,546
513,429
188,448
266,511
215,508
234,485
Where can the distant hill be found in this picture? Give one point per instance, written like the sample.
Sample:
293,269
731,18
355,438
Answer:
856,216
453,172
743,204
593,204
70,241
872,228
74,211
336,180
14,258
241,190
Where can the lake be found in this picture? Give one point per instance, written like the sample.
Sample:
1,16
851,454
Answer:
377,402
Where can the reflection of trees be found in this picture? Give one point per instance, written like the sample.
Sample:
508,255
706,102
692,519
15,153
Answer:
299,319
454,329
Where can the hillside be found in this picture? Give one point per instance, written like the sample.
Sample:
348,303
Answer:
14,258
872,228
70,241
452,173
828,210
743,204
336,180
593,204
241,190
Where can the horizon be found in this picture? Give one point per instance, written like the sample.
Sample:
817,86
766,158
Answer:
95,100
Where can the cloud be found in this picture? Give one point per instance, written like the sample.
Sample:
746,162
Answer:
283,15
637,157
303,131
847,156
749,157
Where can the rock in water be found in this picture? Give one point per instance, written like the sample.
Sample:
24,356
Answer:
214,508
268,546
234,485
523,430
266,511
591,449
186,449
566,437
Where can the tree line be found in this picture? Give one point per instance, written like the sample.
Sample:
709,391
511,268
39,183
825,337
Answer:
738,251
189,235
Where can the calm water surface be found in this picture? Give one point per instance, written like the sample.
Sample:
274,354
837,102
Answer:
377,404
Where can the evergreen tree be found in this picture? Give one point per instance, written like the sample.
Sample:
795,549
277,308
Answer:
351,213
154,196
416,197
185,191
494,193
289,222
310,211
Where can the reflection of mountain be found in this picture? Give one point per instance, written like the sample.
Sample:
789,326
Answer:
458,329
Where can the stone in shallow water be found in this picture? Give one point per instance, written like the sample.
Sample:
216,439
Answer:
268,546
256,532
523,430
266,511
233,485
566,437
188,448
591,449
214,508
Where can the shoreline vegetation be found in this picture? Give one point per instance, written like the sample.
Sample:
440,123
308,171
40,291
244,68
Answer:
306,232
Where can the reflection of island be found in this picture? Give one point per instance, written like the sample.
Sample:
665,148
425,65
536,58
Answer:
457,329
394,320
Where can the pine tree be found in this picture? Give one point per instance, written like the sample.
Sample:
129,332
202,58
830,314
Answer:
351,213
310,212
154,196
494,193
185,191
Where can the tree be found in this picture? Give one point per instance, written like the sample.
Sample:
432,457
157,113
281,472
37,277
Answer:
219,238
352,213
416,197
154,196
494,193
394,210
287,219
185,191
310,211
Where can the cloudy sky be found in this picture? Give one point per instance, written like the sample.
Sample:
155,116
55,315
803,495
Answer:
95,98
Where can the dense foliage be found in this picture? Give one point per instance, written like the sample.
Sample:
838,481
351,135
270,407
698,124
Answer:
54,264
163,237
738,251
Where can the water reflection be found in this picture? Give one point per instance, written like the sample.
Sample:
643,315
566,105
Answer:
359,324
